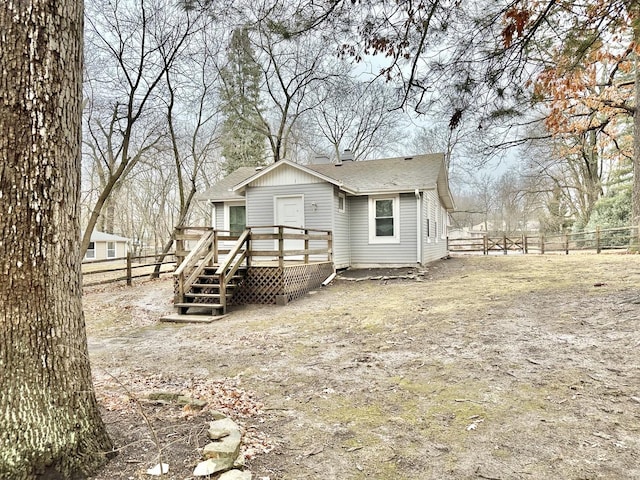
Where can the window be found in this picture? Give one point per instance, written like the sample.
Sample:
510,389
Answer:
384,219
91,251
237,219
341,202
111,249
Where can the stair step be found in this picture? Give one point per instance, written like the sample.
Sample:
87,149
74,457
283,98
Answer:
212,285
217,277
205,295
196,305
213,268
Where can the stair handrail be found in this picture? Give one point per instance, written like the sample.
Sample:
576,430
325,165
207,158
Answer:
196,254
231,265
202,251
233,253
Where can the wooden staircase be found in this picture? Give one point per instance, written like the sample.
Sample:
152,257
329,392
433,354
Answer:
205,295
203,284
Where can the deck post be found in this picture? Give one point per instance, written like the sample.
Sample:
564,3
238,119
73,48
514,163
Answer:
179,245
215,247
248,247
223,291
281,246
330,246
306,246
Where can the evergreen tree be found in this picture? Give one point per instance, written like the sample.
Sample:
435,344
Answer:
614,209
242,144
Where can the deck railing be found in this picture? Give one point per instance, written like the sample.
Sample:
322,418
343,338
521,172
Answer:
257,245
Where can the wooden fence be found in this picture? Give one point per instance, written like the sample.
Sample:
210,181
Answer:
596,241
99,272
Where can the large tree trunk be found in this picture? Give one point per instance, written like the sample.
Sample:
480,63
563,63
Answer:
50,424
635,192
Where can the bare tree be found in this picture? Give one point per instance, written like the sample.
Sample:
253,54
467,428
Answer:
194,145
131,45
360,116
50,425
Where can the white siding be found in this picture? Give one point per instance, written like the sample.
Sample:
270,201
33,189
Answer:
101,250
318,207
341,244
285,175
364,254
219,213
434,246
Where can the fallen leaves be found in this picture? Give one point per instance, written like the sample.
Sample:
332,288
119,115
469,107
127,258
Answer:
180,398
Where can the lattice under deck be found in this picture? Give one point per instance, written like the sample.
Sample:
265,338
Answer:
263,284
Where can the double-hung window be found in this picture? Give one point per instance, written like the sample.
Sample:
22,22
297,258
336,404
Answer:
91,251
111,249
384,219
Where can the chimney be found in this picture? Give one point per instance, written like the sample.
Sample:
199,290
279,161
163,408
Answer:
347,156
320,160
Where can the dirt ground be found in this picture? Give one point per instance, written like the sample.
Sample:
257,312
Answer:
517,367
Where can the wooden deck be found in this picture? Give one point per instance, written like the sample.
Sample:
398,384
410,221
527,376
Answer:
264,264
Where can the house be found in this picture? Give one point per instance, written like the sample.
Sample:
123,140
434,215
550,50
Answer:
105,246
390,212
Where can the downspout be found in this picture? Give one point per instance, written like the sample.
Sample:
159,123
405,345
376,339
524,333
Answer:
418,228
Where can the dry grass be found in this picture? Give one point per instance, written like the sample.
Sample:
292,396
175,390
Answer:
493,367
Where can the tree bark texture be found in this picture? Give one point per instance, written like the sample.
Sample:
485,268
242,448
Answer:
50,426
635,190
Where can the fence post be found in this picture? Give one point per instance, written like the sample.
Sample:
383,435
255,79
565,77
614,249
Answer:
598,247
128,269
542,243
566,244
485,245
525,247
504,242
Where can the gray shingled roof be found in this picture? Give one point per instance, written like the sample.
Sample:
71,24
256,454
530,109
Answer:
221,191
389,174
400,174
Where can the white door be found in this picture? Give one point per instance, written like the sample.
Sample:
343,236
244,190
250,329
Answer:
290,212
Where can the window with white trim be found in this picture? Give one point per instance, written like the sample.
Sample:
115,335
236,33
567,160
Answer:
384,219
91,251
111,249
342,201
